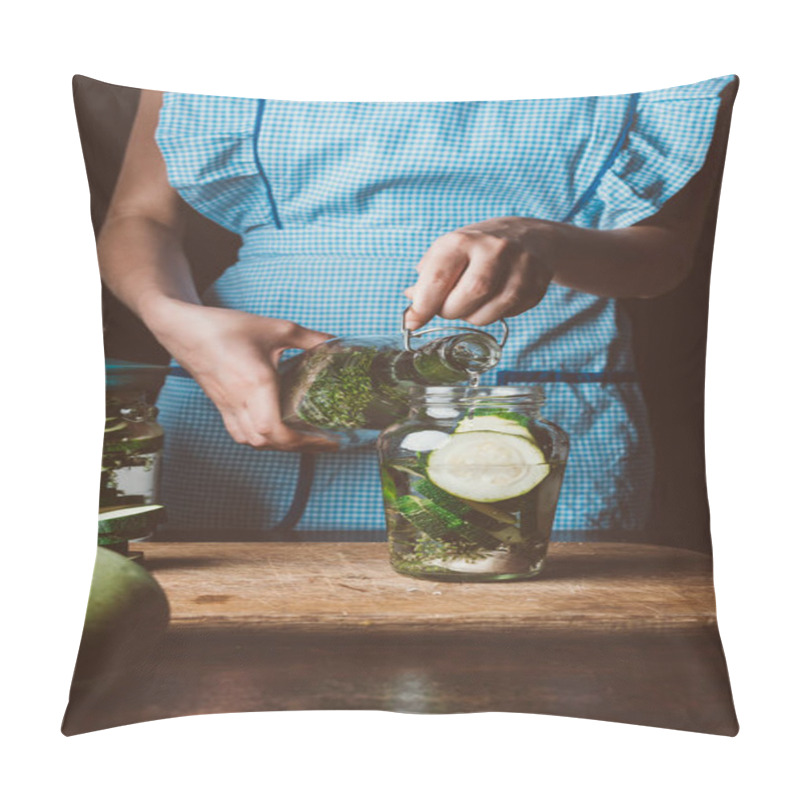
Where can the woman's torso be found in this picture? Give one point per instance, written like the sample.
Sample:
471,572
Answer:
336,203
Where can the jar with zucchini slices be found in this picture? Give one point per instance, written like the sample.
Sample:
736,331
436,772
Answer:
471,481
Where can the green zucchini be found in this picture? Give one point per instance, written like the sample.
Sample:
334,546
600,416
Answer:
499,525
442,498
438,522
497,420
487,466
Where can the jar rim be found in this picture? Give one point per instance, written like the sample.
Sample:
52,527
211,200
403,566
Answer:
479,395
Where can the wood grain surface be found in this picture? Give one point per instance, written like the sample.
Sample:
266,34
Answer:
613,632
329,587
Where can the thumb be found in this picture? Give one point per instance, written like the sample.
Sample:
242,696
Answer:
298,336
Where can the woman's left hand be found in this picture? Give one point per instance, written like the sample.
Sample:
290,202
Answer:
482,272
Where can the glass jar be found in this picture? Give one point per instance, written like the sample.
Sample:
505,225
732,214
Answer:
471,481
132,440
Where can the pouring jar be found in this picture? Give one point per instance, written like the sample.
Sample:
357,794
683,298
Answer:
350,388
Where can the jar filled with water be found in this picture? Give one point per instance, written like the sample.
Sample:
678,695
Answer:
471,481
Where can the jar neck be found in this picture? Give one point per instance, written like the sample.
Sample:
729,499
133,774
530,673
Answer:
446,401
451,359
473,352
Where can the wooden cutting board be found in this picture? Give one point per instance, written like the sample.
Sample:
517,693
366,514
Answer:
346,587
609,631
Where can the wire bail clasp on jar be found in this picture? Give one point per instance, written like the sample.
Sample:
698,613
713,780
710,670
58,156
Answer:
408,335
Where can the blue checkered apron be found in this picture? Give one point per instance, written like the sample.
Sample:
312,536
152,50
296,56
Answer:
337,202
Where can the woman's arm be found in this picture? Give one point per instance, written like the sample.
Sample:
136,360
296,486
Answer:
231,354
502,267
139,246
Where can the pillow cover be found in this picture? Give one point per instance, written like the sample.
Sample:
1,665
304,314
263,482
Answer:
530,532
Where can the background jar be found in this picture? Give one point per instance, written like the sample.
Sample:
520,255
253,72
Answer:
133,439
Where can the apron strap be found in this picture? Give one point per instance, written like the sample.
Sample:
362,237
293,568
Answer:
505,377
302,491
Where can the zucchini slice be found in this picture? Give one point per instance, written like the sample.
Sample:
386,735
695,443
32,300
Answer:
487,466
130,521
437,522
424,441
428,517
502,527
452,504
495,420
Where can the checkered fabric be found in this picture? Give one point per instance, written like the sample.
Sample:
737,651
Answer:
336,203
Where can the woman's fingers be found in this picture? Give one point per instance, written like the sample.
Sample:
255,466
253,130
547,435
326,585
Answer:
439,269
522,289
478,277
264,428
290,334
233,427
251,412
478,285
268,433
234,357
277,436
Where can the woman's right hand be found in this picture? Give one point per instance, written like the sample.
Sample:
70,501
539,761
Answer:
234,357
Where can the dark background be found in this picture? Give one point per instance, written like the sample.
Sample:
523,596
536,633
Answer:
669,332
